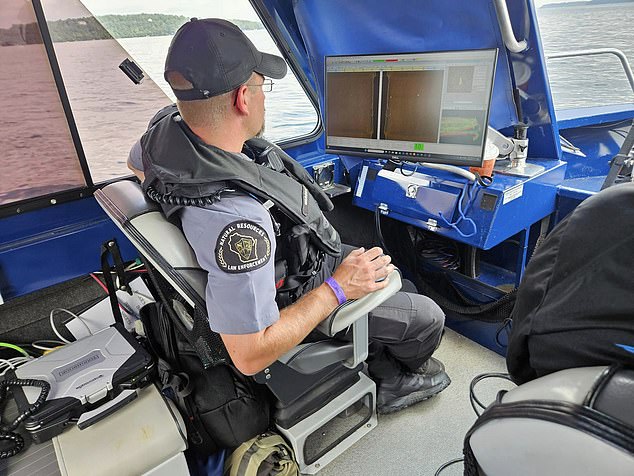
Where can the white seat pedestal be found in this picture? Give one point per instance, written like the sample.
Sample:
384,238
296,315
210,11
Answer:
327,425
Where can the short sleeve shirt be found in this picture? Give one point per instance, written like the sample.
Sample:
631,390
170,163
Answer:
234,242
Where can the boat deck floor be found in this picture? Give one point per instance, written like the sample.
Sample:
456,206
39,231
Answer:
418,440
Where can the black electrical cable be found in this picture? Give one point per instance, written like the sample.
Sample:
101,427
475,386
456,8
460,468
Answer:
377,226
438,250
447,464
472,256
7,433
473,400
484,180
504,327
608,125
403,172
478,378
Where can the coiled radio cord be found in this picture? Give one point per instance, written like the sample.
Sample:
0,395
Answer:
7,433
158,197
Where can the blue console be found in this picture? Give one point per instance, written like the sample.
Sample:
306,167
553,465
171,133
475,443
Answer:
481,217
452,206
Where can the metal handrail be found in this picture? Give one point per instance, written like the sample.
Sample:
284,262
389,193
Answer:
506,28
600,51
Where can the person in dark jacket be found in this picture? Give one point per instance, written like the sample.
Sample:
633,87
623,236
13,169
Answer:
575,304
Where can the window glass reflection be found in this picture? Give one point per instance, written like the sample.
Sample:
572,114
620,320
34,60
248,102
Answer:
111,112
36,149
92,37
90,40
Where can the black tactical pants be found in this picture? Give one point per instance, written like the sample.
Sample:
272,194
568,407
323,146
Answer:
404,330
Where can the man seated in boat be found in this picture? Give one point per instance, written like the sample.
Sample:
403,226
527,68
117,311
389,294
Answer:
258,219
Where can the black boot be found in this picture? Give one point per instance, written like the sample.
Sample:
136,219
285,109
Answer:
409,388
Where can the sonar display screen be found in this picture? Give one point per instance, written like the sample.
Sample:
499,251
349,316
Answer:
429,107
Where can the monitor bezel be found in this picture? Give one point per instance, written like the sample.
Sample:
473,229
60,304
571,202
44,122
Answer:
413,157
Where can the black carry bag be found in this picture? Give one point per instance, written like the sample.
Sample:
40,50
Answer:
222,408
575,306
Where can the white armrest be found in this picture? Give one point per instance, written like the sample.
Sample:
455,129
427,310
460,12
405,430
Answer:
350,311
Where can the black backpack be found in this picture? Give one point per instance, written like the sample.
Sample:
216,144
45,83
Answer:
222,408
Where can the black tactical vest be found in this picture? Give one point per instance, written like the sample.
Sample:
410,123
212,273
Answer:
177,165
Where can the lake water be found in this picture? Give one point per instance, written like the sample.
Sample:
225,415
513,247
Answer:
111,112
589,80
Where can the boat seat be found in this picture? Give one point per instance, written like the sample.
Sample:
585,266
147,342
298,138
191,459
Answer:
325,402
576,421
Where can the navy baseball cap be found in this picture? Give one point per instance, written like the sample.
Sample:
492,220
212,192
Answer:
216,57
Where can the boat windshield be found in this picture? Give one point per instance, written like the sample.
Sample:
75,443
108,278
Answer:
38,153
107,111
52,144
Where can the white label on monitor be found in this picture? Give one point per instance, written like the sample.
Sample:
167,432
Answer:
513,193
361,182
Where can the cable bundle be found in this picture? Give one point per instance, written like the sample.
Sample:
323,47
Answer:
7,433
435,249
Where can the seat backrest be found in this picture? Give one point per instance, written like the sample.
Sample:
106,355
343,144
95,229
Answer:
575,421
159,240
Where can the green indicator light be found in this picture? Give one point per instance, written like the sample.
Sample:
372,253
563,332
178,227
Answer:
378,61
419,147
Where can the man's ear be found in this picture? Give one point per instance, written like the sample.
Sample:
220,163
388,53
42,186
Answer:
241,100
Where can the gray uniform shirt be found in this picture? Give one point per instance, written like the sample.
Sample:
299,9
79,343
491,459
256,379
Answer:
234,242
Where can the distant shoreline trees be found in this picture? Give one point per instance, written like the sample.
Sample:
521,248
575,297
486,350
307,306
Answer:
586,3
105,27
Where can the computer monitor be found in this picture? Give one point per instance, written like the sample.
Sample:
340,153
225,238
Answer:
419,107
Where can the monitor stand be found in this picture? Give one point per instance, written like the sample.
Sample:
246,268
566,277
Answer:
518,167
516,148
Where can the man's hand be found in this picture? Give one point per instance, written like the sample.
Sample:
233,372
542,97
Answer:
359,272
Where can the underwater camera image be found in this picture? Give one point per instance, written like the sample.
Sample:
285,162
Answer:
462,127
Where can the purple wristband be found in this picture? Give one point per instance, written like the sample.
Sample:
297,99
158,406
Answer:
334,285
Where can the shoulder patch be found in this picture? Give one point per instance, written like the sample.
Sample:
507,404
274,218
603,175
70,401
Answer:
242,246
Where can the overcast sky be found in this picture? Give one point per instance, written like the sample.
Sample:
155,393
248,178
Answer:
13,11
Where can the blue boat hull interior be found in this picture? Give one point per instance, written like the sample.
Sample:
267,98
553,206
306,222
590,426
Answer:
50,245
